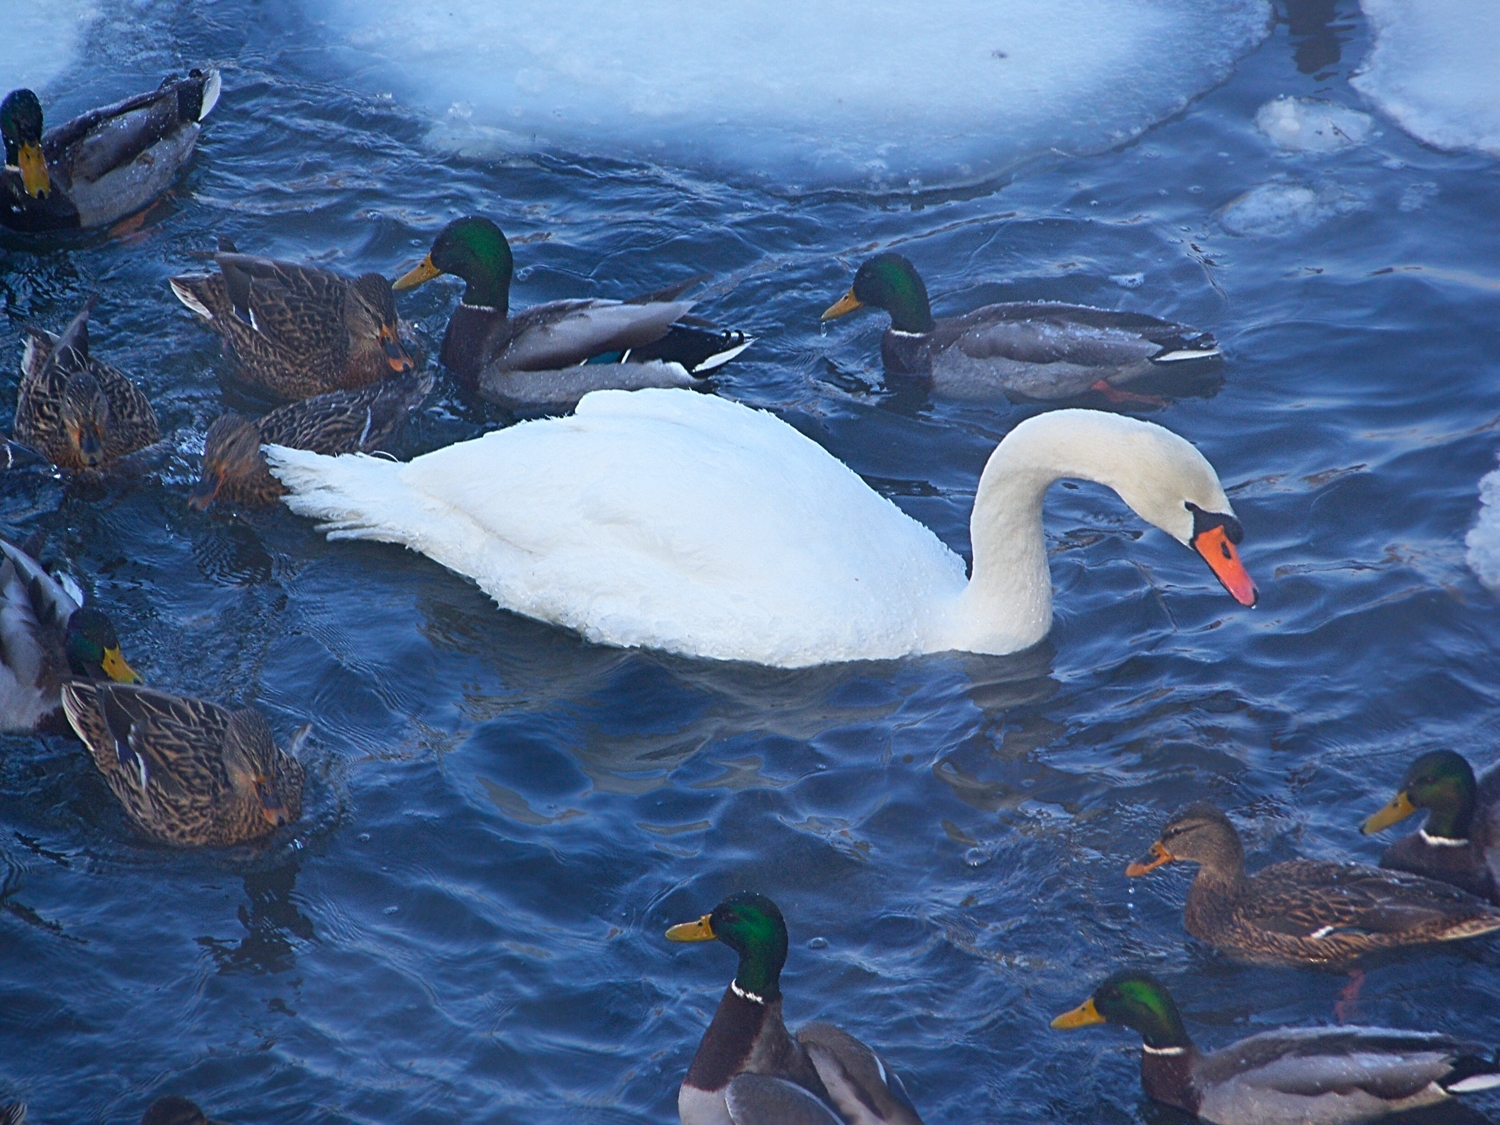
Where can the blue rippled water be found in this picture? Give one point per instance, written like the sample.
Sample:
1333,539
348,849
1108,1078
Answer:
502,820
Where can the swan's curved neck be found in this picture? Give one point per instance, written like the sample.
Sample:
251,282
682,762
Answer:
1008,603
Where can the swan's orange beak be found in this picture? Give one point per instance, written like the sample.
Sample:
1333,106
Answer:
1151,861
1224,560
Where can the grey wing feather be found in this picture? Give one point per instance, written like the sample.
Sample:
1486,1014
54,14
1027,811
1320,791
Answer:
61,605
857,1080
756,1099
1384,1063
1030,333
564,333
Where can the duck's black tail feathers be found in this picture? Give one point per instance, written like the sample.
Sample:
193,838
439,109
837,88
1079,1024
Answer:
1175,349
1472,1072
699,350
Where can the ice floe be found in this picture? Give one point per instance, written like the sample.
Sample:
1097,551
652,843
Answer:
797,92
41,40
1483,539
1277,209
1312,124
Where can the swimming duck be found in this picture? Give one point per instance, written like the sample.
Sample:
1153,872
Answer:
749,1070
1303,912
1030,349
686,522
46,633
1290,1076
188,772
1460,843
104,165
361,421
78,412
554,354
298,331
173,1110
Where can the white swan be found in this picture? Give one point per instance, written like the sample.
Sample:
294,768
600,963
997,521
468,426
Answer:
681,521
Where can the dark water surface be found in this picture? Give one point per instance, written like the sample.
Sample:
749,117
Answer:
501,820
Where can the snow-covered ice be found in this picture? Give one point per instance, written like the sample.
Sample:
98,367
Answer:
1483,539
1312,124
41,40
1277,209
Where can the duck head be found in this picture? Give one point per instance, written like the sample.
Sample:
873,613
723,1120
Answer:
93,648
476,250
259,771
1440,781
231,453
85,417
889,282
21,126
752,926
1198,834
370,316
1136,1000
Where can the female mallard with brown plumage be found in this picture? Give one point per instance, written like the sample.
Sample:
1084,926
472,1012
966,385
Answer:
1460,843
749,1070
362,421
101,166
553,354
1289,1076
47,634
76,411
298,331
1304,912
188,772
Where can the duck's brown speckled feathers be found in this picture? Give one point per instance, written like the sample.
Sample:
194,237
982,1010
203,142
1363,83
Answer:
362,421
111,162
188,772
298,331
78,412
1302,911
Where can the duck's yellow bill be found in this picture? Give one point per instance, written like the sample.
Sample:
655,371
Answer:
422,271
116,669
845,304
1398,810
700,930
1081,1016
34,177
1157,856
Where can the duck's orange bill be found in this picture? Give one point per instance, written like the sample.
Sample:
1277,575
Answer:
1154,859
1081,1016
1398,810
845,304
422,271
116,669
1222,558
395,354
701,930
33,165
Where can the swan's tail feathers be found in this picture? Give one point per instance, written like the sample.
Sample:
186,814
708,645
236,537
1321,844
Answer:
354,496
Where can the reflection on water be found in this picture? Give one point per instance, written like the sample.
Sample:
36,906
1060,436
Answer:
1317,39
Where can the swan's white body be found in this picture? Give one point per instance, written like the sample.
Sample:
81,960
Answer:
680,521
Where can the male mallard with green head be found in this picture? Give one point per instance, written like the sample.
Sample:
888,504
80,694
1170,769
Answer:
46,635
298,331
554,354
1303,912
749,1070
188,772
1460,843
104,165
1290,1076
76,411
1029,349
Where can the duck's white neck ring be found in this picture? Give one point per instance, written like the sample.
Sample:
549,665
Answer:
1441,841
1150,1050
910,335
476,308
745,993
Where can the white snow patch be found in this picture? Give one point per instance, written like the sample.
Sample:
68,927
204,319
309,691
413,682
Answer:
840,90
1435,69
1312,125
1278,209
1483,539
41,40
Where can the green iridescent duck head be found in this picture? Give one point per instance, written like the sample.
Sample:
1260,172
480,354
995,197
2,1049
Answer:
889,282
1136,1000
752,926
474,249
21,127
1441,782
93,648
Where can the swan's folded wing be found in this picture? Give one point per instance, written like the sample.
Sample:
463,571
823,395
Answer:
568,332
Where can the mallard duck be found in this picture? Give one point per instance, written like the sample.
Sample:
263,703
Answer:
359,421
1460,843
172,1110
749,1070
12,1113
298,331
189,772
554,354
1303,912
1290,1076
686,522
104,165
76,411
1031,349
46,634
